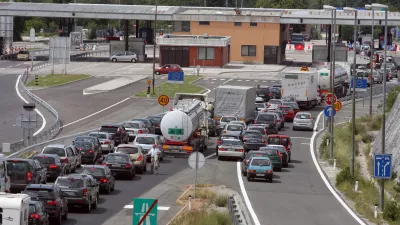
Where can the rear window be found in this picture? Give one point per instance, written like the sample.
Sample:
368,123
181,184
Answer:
269,151
293,105
145,140
84,139
56,151
260,162
274,141
99,136
117,158
257,129
231,142
303,116
94,171
70,182
285,109
128,150
39,193
228,119
259,154
32,208
155,119
253,135
265,117
131,125
276,90
109,129
83,145
18,166
45,159
274,102
260,105
234,128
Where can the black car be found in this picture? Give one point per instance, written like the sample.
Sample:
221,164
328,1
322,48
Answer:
156,120
88,154
253,140
214,129
120,164
264,92
53,164
23,172
120,135
269,120
276,92
79,190
148,124
103,175
96,142
37,214
52,197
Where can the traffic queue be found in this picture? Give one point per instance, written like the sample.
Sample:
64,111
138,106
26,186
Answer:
47,185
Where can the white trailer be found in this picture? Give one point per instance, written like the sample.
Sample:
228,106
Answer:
302,85
14,209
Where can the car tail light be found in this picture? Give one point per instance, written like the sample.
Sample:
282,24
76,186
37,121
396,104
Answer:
104,164
103,180
85,192
269,171
262,140
140,132
239,150
53,166
275,122
223,149
139,158
51,202
219,142
255,121
247,161
252,171
224,131
128,166
265,131
91,151
106,142
270,94
279,154
15,161
34,216
29,175
64,160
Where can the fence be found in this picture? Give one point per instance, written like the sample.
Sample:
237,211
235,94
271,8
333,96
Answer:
235,212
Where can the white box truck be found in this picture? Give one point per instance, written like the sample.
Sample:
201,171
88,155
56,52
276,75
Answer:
302,85
14,209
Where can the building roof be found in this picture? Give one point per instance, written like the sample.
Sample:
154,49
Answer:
193,40
179,13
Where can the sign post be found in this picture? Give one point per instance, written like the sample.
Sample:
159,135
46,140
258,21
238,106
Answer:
196,161
163,100
148,88
145,209
32,37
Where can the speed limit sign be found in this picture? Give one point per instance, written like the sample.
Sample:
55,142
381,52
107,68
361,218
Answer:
163,100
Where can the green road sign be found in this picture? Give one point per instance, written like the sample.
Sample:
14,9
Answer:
175,131
145,211
324,74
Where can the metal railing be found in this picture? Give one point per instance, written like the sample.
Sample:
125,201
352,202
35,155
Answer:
235,212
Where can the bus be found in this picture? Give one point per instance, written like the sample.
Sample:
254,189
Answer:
298,41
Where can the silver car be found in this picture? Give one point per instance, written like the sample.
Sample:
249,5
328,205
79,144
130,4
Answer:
232,148
146,141
239,123
233,129
378,77
124,57
106,140
260,106
274,102
303,121
134,128
227,119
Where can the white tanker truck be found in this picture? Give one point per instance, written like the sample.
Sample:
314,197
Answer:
185,127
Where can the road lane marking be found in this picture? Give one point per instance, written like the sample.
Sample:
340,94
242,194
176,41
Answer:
239,80
163,208
247,80
221,79
214,79
321,173
208,91
305,143
84,67
36,110
246,197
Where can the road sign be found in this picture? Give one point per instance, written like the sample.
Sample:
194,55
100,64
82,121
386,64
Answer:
176,131
176,77
304,68
328,99
361,84
163,100
32,35
328,111
148,82
145,211
338,106
200,160
383,166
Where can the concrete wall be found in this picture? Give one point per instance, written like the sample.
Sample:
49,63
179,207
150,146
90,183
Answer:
136,45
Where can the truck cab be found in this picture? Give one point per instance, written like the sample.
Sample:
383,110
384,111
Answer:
14,209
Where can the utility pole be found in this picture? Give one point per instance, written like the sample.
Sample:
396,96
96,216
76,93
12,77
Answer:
154,46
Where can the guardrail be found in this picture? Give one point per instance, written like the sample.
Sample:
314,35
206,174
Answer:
234,211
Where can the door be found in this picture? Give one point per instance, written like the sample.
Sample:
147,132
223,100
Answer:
175,55
270,54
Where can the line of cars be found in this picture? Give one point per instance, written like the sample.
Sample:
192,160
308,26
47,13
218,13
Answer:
82,170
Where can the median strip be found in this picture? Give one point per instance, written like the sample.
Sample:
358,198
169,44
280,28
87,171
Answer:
53,80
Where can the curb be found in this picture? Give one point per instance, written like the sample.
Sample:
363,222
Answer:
178,201
176,215
70,82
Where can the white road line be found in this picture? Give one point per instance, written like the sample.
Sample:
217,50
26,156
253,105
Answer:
210,156
221,79
305,143
208,91
245,197
227,81
247,80
36,110
212,82
321,173
83,67
264,81
239,80
214,79
66,125
163,208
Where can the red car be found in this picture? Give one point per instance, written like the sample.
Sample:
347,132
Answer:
288,112
294,106
168,68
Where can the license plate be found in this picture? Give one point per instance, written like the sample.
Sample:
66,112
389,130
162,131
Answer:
285,113
303,124
231,149
260,175
175,150
253,141
121,165
70,193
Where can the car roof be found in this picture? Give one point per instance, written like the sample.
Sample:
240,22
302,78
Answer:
119,153
281,146
308,113
129,145
141,119
99,132
278,135
251,131
229,135
56,146
132,121
43,186
94,166
256,151
231,139
47,155
110,125
255,126
19,159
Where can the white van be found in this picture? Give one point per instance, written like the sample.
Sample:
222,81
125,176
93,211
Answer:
5,182
14,209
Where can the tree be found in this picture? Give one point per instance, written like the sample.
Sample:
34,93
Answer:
282,4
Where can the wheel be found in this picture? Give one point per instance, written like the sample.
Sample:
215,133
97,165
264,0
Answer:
248,178
133,60
65,216
108,191
145,166
59,219
245,173
114,59
157,73
270,180
294,128
290,159
279,169
88,207
113,187
219,157
94,204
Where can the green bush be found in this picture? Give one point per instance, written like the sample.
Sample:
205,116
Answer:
391,211
221,200
391,98
344,176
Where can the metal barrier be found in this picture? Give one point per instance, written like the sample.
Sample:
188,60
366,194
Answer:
233,208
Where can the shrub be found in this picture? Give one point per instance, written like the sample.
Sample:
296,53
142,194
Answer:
221,200
391,98
344,176
391,211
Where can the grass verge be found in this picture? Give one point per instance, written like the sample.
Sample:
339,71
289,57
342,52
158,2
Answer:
57,79
171,89
203,217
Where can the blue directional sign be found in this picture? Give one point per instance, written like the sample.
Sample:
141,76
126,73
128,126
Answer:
328,111
145,211
383,166
176,77
361,84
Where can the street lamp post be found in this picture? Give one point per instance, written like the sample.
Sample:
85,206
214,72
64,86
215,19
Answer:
154,46
353,111
332,72
383,136
372,57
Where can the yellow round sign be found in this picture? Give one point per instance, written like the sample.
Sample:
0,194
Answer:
338,106
148,82
304,68
163,100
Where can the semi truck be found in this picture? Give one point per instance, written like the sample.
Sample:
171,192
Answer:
237,101
301,85
185,127
341,84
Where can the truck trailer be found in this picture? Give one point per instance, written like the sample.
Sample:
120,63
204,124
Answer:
185,127
14,209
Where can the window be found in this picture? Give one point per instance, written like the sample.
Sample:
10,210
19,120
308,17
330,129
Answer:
248,50
186,26
204,23
252,24
206,53
238,24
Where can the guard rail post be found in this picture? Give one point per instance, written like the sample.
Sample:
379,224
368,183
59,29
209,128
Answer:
233,208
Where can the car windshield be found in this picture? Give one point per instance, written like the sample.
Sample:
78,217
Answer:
18,167
44,159
83,145
260,162
56,151
109,129
131,125
94,171
286,109
265,117
293,105
303,116
269,151
260,105
275,102
253,135
23,52
98,135
231,142
234,128
128,150
274,141
39,193
84,139
228,119
117,158
69,182
145,140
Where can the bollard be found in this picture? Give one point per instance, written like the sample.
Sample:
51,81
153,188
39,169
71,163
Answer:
36,80
356,186
376,211
148,91
334,164
190,203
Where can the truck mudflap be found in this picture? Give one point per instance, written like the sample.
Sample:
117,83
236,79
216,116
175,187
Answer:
176,149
